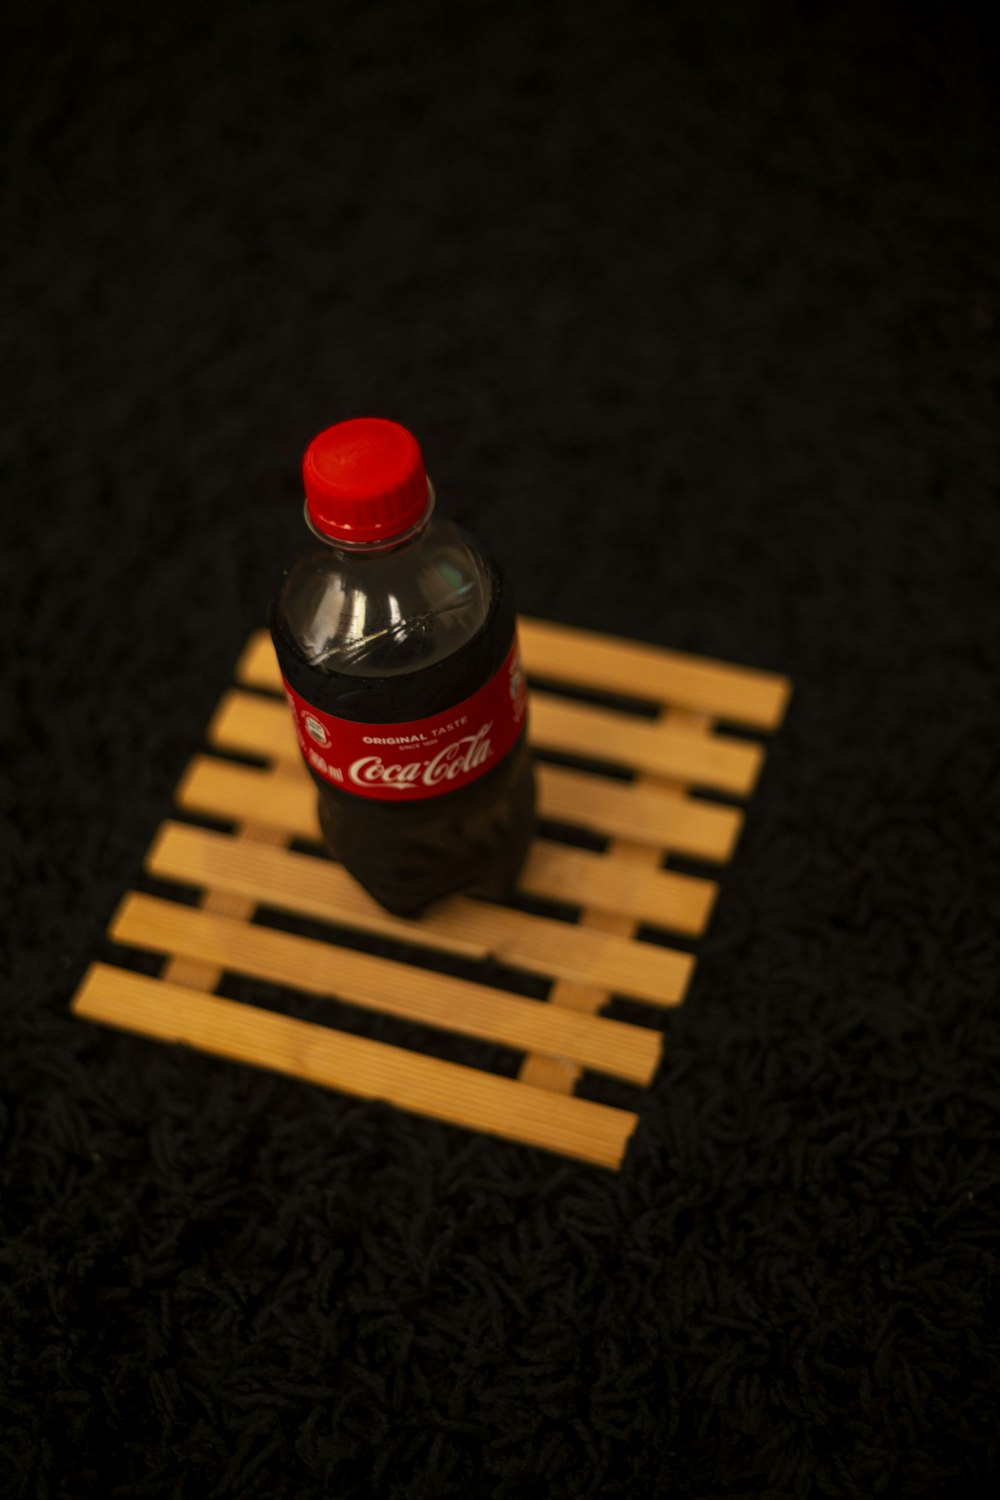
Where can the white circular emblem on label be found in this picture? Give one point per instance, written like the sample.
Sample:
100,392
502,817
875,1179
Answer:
316,730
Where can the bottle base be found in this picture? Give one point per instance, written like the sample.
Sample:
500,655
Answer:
476,844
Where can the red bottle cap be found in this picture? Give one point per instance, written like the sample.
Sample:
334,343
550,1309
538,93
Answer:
365,480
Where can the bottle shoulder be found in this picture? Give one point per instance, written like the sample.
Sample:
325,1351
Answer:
390,612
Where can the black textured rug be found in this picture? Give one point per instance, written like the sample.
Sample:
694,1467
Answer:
696,312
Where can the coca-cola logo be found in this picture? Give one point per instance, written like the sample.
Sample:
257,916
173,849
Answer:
413,759
452,760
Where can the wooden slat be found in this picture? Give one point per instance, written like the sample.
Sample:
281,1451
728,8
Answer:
258,665
318,887
707,761
263,726
580,877
611,882
296,883
354,1065
254,726
285,798
669,821
585,659
384,985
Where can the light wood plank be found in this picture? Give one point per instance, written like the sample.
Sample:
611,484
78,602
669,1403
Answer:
674,679
381,984
301,884
254,726
445,1091
286,799
258,665
669,821
711,762
476,929
577,877
586,659
612,882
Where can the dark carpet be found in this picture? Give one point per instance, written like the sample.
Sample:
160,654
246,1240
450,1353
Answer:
695,309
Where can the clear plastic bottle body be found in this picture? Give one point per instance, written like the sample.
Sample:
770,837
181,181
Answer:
391,634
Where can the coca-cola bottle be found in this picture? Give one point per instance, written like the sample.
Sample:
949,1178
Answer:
397,642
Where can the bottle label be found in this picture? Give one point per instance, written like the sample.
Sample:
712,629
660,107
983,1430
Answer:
422,758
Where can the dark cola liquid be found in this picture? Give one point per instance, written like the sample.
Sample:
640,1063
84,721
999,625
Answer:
471,839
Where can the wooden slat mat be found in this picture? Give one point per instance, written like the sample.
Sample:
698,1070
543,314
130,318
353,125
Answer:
602,856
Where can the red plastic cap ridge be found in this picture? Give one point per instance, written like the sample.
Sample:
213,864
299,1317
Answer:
365,480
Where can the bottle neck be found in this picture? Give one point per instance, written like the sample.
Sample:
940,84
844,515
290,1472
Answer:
353,552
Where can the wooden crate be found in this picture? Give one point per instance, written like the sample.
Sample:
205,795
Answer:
617,886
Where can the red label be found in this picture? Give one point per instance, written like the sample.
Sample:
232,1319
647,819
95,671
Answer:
422,758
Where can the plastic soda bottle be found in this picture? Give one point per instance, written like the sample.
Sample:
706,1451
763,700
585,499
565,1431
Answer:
397,642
